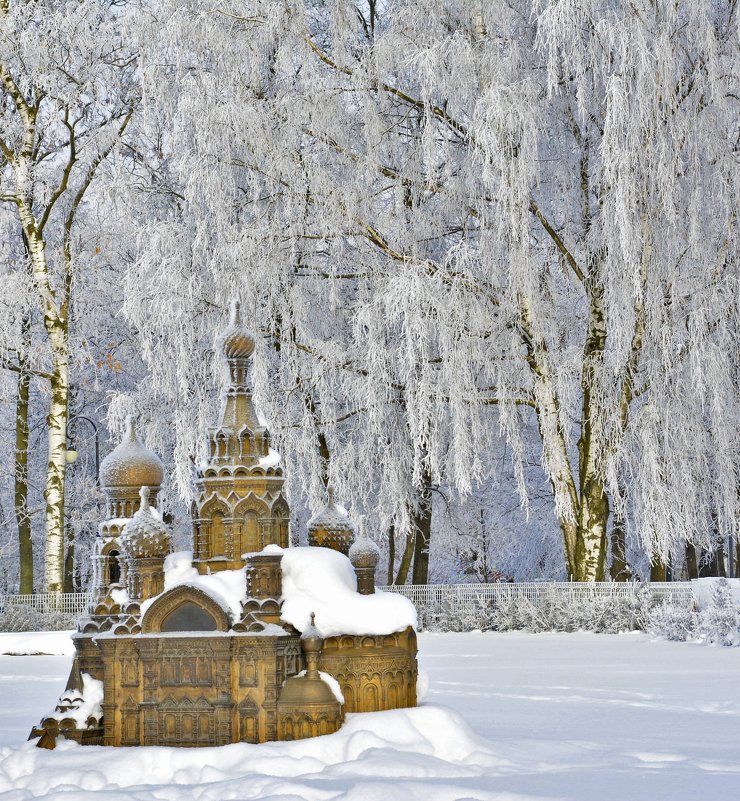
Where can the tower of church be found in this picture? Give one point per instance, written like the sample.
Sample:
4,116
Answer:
124,471
240,506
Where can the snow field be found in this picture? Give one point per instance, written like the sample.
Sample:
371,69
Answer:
511,717
58,643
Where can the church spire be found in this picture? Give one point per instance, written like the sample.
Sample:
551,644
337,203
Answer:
237,346
240,506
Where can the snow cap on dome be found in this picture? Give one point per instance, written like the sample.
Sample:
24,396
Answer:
145,536
130,463
311,639
364,552
237,341
331,517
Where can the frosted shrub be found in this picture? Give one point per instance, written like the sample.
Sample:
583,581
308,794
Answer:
720,623
672,623
557,611
443,617
20,617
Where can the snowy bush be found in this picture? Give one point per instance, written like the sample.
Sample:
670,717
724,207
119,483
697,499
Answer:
557,611
22,617
718,623
672,623
548,610
444,616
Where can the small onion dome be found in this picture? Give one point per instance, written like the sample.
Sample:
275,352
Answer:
237,341
364,553
331,528
306,694
311,640
145,536
130,464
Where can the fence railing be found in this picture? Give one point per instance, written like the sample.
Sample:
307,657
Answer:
467,600
41,612
54,610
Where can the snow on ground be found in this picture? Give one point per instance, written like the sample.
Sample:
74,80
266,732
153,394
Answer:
55,643
584,717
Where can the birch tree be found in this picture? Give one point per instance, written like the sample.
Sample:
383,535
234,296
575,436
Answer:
66,76
451,217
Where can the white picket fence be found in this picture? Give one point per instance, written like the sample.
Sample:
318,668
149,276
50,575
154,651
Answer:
465,599
42,611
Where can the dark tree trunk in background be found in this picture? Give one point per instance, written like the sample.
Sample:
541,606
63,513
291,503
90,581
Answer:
391,554
405,566
422,533
692,564
620,569
658,571
22,516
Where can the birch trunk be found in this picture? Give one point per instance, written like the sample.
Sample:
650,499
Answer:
593,506
57,461
56,325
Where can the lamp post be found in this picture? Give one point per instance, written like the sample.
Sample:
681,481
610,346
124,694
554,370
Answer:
71,457
72,453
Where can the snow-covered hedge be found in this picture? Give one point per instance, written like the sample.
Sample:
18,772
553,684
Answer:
717,623
550,611
21,617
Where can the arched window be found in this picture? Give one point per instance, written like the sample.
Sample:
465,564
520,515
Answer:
114,568
218,534
251,539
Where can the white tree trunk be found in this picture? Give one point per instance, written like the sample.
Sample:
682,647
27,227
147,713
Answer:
57,462
55,322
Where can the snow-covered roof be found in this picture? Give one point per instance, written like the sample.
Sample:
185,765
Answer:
227,587
323,581
317,580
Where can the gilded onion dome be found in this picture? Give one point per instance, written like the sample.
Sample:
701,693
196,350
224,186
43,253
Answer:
331,527
311,640
237,341
131,464
145,536
364,553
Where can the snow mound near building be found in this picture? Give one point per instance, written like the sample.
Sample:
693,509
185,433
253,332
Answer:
323,581
428,752
83,703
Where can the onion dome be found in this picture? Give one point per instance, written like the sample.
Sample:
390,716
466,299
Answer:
364,553
331,527
309,697
131,464
311,639
237,341
145,536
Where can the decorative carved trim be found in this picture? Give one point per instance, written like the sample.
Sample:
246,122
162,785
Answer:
168,603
